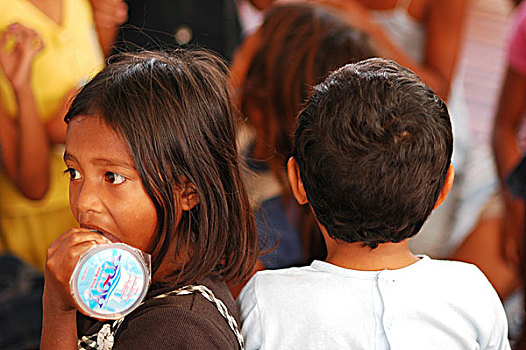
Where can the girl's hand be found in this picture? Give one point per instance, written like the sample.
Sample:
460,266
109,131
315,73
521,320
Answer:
18,47
62,256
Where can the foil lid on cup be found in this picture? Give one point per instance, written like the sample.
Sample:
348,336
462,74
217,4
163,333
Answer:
110,280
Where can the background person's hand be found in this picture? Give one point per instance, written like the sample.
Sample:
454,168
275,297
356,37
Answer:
18,47
109,13
108,16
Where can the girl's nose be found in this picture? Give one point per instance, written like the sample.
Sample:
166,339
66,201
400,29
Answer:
86,197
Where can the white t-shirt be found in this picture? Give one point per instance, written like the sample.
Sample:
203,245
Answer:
430,304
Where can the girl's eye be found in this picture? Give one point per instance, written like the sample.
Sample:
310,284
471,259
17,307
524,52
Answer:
113,178
73,174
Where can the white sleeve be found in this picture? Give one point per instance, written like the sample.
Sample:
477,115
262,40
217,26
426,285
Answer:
250,316
498,336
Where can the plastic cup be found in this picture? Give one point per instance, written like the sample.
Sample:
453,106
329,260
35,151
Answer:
110,280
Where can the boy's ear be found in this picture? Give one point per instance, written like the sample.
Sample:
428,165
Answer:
295,182
187,195
448,184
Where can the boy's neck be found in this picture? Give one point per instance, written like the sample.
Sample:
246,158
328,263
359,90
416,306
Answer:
387,256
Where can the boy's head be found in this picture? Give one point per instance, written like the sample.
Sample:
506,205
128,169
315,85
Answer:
373,147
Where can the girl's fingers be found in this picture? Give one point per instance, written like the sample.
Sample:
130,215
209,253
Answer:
80,235
59,269
73,237
65,252
78,250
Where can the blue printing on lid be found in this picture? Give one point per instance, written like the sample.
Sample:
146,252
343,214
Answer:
111,281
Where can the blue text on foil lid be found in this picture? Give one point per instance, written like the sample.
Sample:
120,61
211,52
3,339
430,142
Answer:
108,279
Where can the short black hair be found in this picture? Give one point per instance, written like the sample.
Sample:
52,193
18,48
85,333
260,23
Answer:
373,147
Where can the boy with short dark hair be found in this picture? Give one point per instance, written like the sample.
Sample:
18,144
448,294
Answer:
371,157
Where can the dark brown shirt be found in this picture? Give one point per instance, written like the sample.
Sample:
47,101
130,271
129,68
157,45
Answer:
174,322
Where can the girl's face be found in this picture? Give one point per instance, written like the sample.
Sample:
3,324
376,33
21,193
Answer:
105,191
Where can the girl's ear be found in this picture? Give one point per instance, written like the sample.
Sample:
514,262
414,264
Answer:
187,195
295,182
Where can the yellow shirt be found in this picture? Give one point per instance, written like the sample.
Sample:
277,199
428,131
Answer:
71,55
